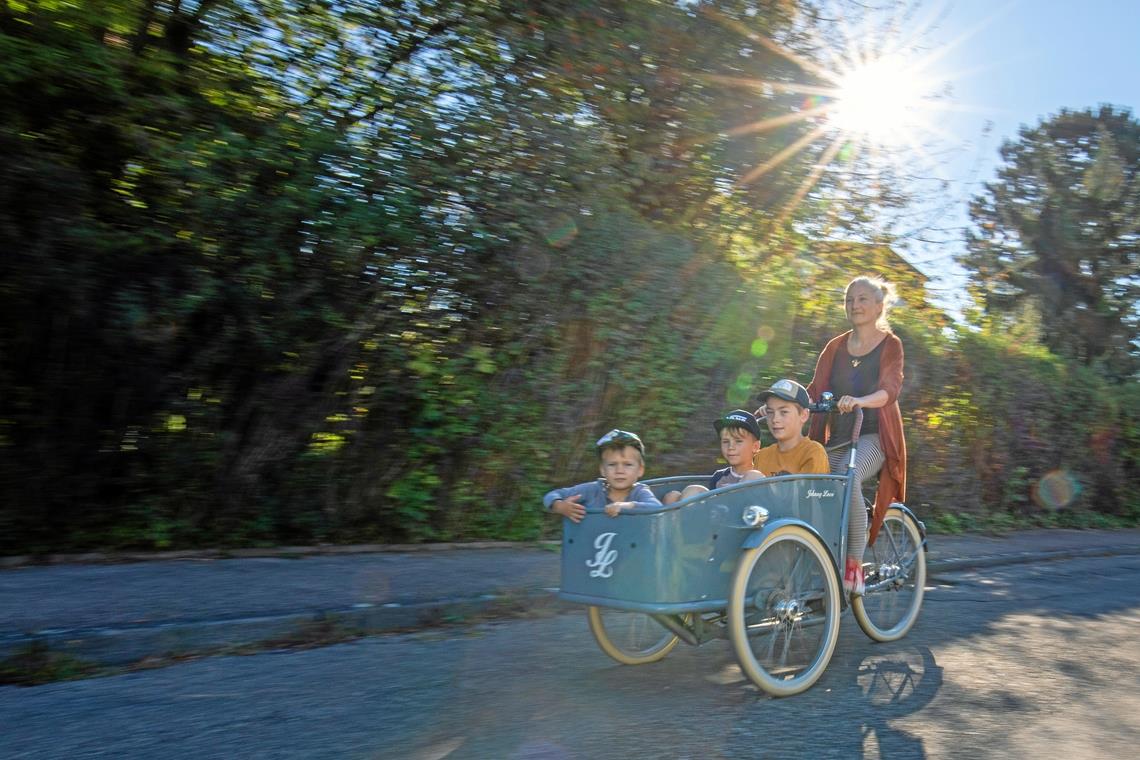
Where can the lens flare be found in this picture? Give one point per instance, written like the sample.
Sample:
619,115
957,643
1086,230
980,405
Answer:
1056,489
561,231
739,392
532,263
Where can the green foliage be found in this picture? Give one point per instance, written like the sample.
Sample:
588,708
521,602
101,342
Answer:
945,522
1005,522
36,665
1036,434
1055,247
294,271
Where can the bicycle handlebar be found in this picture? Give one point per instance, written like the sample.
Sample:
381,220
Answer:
827,403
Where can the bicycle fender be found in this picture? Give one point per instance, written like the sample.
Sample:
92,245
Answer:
904,508
760,535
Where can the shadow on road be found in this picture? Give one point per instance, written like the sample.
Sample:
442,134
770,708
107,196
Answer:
895,685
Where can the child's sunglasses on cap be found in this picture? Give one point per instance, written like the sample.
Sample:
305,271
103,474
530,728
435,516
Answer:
621,438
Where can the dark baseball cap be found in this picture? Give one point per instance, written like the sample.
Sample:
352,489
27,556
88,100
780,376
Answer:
789,390
619,438
739,418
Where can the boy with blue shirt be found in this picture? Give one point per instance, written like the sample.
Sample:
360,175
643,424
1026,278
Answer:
622,463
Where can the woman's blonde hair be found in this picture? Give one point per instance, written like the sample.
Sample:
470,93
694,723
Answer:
884,293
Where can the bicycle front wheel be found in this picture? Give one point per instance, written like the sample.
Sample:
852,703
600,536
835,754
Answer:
783,611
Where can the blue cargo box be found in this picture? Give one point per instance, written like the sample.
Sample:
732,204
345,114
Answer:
680,558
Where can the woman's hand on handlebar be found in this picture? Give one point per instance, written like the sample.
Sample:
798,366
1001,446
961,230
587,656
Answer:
848,404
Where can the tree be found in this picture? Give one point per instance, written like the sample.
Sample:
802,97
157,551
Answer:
289,269
1056,238
284,270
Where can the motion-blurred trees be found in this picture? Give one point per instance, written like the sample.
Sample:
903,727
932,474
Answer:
282,270
297,270
1056,244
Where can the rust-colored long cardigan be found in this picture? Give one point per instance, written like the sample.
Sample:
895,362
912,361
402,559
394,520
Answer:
892,478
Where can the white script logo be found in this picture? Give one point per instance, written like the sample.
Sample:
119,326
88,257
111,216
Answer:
604,558
814,494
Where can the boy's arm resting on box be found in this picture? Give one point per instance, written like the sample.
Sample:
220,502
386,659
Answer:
566,502
640,496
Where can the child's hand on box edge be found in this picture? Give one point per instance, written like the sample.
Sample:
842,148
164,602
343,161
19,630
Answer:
571,509
614,508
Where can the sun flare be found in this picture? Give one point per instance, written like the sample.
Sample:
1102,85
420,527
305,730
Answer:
882,101
871,103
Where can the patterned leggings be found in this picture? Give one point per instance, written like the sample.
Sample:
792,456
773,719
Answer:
868,461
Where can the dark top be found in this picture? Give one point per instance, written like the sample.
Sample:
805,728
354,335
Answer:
854,376
722,478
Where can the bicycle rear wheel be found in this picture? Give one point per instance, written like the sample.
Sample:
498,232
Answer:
894,568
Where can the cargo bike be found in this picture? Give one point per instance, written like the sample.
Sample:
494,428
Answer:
758,563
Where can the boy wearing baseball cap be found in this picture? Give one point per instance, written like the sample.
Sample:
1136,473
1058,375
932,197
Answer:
739,441
621,463
786,412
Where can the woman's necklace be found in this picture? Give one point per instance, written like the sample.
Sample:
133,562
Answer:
856,360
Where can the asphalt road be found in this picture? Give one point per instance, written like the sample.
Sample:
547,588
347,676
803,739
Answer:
1022,661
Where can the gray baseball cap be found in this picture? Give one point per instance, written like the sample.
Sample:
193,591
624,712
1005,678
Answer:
789,390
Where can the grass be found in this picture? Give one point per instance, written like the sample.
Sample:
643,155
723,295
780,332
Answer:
318,632
1005,522
36,665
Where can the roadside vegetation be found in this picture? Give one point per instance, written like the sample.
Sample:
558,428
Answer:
298,272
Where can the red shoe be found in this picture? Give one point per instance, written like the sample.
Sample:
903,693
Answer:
853,578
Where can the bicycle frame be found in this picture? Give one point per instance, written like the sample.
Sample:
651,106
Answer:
757,563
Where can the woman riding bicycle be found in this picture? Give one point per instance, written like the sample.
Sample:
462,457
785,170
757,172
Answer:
863,368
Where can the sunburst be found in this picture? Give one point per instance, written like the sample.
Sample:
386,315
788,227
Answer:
872,96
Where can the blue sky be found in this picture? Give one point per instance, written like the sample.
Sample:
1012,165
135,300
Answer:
1013,64
1029,58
